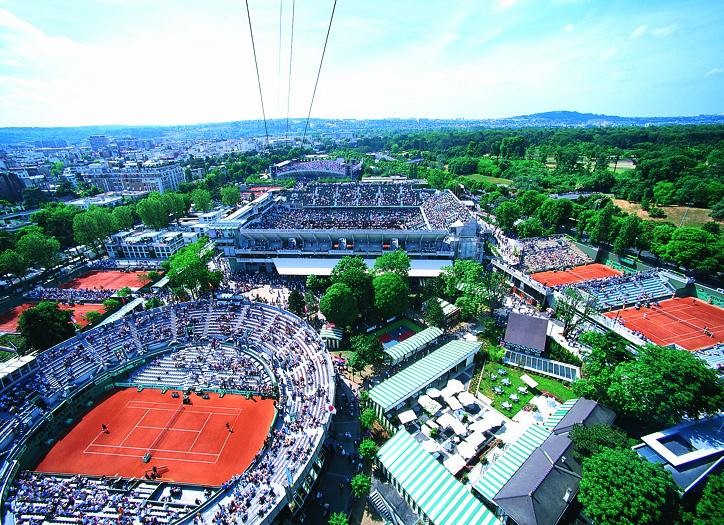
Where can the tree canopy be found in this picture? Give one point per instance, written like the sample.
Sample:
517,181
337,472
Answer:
620,487
391,294
45,325
338,305
353,272
188,268
397,262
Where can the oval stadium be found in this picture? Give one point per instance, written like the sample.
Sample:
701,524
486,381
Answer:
190,413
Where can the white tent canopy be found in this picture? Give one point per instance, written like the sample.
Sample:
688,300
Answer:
433,392
448,420
529,380
467,399
430,445
466,450
475,439
453,403
454,464
490,419
407,416
429,405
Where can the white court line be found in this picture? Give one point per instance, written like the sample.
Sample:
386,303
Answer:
200,431
172,428
134,427
185,460
211,410
157,450
228,434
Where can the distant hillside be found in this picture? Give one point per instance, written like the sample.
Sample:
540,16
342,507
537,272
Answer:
337,127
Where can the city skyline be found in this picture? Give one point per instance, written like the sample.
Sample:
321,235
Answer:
153,63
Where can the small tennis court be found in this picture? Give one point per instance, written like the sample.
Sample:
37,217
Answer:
397,332
578,274
690,323
108,280
187,443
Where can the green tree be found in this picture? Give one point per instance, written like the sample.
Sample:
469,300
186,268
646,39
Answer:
506,214
154,210
695,248
12,263
201,199
572,309
367,418
45,325
338,518
361,485
296,303
93,317
352,271
230,195
590,440
111,305
600,228
38,249
356,363
369,348
620,487
664,193
56,219
92,226
368,449
665,385
709,509
434,316
188,268
397,262
626,237
316,284
153,302
495,353
123,217
532,227
391,294
338,305
464,273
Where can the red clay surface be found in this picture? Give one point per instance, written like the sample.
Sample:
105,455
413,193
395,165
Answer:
107,279
678,320
192,445
9,320
575,275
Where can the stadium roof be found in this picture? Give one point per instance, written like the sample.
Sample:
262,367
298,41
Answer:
420,374
439,496
305,266
8,367
411,345
508,464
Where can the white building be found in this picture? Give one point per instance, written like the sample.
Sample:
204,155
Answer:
141,244
159,178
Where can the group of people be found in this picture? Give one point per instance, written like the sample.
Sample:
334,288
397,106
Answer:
360,194
443,209
538,254
288,218
633,289
70,295
336,166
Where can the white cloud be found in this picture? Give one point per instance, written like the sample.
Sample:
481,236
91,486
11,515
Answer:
663,32
568,28
639,31
506,4
714,72
609,53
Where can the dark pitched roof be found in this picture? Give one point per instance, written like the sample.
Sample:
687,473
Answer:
527,331
586,412
541,490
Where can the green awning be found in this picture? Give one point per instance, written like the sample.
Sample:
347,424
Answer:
508,464
420,374
559,414
439,496
411,345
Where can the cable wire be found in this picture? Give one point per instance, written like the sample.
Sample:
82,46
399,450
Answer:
289,81
258,78
319,71
279,60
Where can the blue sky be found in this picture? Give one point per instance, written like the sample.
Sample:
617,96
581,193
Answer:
184,61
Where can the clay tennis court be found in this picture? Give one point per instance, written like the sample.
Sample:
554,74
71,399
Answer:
188,443
9,320
575,275
108,279
678,320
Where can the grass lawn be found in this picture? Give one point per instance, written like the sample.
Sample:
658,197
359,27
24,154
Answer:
486,178
558,389
400,322
674,214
